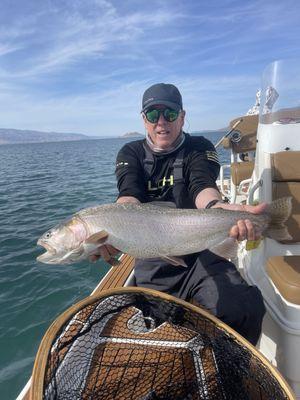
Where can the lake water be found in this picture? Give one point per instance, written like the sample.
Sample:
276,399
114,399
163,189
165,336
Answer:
40,185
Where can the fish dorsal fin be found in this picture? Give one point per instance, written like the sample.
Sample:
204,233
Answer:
97,238
174,260
226,249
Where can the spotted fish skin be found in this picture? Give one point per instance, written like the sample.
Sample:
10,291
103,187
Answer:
149,231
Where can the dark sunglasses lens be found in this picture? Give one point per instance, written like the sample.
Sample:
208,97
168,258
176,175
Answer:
152,116
170,115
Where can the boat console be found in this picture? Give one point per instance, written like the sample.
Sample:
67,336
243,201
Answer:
275,266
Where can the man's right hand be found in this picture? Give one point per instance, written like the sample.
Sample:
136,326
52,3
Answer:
107,252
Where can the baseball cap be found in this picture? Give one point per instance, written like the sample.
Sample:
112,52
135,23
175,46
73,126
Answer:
162,93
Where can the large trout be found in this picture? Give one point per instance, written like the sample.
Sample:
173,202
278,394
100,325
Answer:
149,231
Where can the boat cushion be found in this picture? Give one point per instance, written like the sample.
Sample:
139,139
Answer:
285,274
285,166
240,171
283,189
247,128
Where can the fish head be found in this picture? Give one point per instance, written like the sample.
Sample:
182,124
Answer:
63,243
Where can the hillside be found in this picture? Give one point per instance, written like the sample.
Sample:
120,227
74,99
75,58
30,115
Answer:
9,136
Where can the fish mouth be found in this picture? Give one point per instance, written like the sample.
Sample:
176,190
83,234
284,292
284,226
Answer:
46,258
49,256
46,246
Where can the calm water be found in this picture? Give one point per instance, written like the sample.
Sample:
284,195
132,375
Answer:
41,184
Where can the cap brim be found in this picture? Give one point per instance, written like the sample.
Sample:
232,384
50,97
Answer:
174,106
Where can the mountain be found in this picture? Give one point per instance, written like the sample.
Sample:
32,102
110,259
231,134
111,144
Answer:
8,136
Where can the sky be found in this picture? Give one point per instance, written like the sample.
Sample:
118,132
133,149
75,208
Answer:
82,66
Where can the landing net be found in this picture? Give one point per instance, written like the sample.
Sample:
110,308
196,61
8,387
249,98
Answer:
139,344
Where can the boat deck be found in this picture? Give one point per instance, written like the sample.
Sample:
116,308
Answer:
117,275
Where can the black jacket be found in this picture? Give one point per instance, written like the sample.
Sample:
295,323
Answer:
200,168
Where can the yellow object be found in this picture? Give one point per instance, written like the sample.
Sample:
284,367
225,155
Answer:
252,244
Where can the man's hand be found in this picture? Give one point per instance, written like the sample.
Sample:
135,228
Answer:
106,251
244,229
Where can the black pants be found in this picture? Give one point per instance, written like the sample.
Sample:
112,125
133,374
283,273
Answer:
212,282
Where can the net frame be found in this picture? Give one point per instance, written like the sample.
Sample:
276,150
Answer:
53,332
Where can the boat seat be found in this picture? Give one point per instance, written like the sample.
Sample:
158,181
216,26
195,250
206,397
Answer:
241,171
284,271
285,274
286,182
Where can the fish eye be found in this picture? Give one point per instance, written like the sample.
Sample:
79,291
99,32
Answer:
47,235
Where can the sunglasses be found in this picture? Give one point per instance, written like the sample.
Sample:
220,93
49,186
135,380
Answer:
154,114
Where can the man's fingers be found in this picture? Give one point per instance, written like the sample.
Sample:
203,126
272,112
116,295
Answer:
234,232
242,230
250,230
112,250
107,252
104,253
94,257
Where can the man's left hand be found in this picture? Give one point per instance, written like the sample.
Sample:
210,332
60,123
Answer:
244,229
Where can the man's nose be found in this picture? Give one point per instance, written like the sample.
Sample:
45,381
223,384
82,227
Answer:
161,119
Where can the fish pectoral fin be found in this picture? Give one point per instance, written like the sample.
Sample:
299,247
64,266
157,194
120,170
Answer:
97,238
226,249
174,260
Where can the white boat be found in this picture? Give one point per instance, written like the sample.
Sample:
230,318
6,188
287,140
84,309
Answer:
273,172
265,164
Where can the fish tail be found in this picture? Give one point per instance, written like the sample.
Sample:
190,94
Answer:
279,211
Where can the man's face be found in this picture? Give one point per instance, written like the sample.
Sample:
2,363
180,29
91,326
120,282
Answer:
164,133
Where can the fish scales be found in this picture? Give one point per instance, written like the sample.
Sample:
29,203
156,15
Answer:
149,231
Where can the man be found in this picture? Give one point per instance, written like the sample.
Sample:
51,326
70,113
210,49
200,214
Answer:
171,166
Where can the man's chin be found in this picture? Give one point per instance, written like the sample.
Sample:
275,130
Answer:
164,141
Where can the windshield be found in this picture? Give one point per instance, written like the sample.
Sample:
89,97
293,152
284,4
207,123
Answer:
280,93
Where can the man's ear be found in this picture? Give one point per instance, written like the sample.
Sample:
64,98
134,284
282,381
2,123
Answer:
182,116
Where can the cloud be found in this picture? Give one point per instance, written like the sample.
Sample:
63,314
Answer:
6,49
68,65
117,110
78,33
107,113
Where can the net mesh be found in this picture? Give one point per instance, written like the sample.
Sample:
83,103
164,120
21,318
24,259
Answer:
136,346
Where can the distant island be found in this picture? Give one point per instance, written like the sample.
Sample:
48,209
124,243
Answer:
132,134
